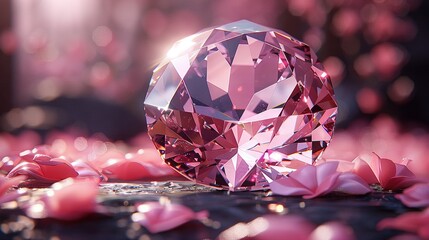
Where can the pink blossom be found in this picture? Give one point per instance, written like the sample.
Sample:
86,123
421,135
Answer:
159,217
271,227
415,196
312,181
414,222
70,199
390,175
5,184
42,169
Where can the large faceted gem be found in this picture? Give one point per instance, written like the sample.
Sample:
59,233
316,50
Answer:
233,106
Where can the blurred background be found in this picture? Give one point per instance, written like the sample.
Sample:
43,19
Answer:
85,65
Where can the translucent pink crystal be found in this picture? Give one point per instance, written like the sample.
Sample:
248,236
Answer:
233,106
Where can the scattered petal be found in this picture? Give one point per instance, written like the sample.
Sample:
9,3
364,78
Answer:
86,170
5,184
127,170
62,201
43,169
160,217
271,227
415,196
414,222
351,183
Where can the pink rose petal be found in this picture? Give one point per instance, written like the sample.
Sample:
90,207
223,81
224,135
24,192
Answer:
127,170
160,217
56,169
415,196
414,222
333,231
42,169
289,187
351,183
363,169
5,184
69,200
86,170
270,227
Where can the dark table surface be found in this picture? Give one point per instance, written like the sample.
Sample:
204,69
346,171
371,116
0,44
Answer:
226,209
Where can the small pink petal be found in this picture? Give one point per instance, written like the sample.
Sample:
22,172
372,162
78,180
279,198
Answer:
29,169
128,170
326,186
325,170
400,182
158,217
7,182
68,200
414,222
351,183
333,231
86,170
308,181
326,179
364,171
402,170
41,158
386,170
415,196
11,196
8,163
289,187
57,169
307,176
270,227
43,171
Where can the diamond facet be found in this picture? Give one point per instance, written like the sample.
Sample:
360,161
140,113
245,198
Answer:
233,106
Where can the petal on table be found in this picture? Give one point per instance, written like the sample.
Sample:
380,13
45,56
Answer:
159,217
415,196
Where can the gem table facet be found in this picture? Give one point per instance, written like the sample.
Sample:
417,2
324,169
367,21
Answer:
233,106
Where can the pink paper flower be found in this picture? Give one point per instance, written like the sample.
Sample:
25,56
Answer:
42,169
70,199
390,175
415,196
5,184
312,181
159,217
414,222
271,227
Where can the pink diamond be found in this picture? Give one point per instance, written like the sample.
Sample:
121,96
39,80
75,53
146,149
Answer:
233,106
